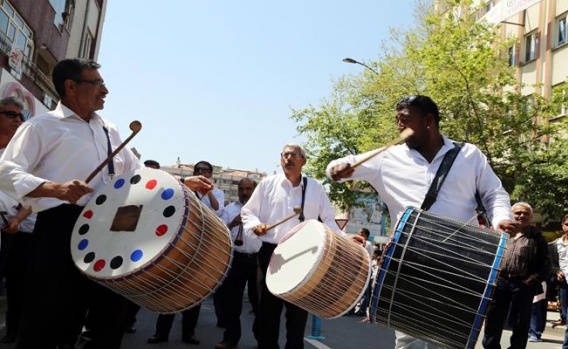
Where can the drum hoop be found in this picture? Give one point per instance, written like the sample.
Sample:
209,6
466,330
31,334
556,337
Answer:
473,335
379,278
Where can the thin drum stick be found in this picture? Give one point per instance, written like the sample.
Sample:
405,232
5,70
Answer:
135,126
297,211
401,137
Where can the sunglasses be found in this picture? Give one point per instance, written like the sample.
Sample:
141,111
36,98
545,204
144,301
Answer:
201,169
12,114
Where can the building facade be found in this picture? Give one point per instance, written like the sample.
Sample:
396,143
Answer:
35,35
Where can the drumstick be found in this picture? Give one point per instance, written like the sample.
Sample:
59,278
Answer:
297,211
407,132
135,126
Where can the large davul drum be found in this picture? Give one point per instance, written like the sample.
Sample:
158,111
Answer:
318,270
436,279
147,237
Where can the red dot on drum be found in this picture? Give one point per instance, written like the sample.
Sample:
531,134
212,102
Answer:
99,265
88,214
161,230
151,184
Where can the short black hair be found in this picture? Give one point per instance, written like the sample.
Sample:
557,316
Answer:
71,68
424,103
204,163
152,163
366,232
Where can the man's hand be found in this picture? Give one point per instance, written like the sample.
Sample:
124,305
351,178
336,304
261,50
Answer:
358,240
510,227
260,229
341,171
199,184
236,221
72,191
12,227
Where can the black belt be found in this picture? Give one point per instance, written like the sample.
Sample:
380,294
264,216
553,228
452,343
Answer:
512,275
246,254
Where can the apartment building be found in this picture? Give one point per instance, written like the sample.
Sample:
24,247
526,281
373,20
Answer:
35,35
540,52
225,179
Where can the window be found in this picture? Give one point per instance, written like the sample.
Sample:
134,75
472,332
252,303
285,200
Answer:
531,46
561,27
14,31
513,56
86,48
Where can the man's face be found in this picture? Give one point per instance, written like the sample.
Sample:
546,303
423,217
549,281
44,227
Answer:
565,226
411,117
245,191
291,160
10,119
522,215
90,91
203,170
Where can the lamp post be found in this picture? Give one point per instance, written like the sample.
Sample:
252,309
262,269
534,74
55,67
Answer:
352,61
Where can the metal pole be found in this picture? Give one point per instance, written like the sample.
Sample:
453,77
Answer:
316,329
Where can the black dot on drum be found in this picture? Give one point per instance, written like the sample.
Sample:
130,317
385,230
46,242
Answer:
116,262
169,211
89,257
84,229
101,199
135,179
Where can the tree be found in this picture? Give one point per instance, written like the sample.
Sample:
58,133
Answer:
461,64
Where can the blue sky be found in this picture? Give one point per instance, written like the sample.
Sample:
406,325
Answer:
216,80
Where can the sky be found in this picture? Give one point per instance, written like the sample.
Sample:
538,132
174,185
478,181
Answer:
217,80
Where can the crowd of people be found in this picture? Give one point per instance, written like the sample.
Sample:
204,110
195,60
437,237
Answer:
46,159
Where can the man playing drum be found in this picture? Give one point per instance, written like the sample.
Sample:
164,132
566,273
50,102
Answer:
403,174
44,167
273,200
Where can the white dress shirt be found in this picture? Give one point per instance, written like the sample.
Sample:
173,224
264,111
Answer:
219,195
59,146
402,177
274,199
251,243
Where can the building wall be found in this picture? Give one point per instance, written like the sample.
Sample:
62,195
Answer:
87,21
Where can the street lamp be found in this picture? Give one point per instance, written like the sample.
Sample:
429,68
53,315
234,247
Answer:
352,61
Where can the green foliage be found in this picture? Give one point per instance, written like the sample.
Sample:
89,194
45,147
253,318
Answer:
459,62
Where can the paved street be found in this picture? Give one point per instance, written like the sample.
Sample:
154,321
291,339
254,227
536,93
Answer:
342,333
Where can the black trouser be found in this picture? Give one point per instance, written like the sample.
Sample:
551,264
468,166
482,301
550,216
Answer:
58,295
188,323
511,297
231,292
18,256
270,308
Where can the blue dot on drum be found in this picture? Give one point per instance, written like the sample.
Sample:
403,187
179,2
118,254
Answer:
116,262
89,257
168,194
83,244
135,179
101,199
136,255
84,229
169,211
119,183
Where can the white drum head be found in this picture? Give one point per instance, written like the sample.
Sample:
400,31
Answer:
133,219
296,257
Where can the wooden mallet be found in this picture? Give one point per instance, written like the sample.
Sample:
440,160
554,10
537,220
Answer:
297,211
135,126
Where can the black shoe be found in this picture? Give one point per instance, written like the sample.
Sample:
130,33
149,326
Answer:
157,339
9,338
190,340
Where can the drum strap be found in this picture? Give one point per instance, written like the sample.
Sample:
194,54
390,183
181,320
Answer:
441,174
109,151
443,170
301,217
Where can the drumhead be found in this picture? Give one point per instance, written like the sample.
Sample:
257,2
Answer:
133,219
296,257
